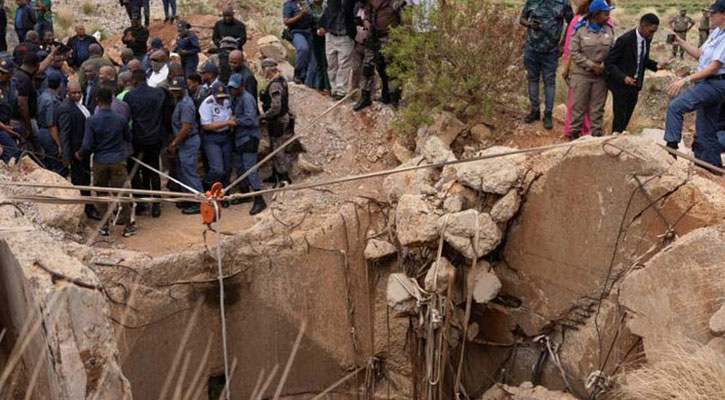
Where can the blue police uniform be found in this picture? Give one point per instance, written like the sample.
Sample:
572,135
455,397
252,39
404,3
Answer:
9,146
704,98
48,103
190,45
188,150
218,146
246,139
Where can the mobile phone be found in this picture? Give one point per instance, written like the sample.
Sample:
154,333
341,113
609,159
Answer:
670,38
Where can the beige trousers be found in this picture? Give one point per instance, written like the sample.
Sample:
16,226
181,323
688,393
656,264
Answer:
589,92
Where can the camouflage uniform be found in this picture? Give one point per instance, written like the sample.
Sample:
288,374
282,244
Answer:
541,51
275,104
681,25
704,28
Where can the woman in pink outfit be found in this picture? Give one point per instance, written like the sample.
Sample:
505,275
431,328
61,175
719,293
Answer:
580,13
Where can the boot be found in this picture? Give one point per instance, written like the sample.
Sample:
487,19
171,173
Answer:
259,205
385,93
533,117
284,178
156,210
364,102
548,123
272,178
243,200
192,209
395,99
92,213
141,208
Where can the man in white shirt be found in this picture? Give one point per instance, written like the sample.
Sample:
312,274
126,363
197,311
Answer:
159,68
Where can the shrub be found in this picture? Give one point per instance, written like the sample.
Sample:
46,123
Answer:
467,63
87,7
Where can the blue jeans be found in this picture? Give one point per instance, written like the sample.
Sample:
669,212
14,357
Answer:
311,77
245,162
302,40
171,3
704,98
218,149
52,159
10,148
538,64
190,63
186,162
42,26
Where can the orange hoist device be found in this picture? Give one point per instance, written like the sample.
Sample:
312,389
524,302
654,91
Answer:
208,212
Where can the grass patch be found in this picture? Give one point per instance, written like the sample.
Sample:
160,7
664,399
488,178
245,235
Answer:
88,8
202,7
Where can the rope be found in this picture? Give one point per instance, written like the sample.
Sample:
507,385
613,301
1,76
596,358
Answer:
288,142
98,189
167,176
227,384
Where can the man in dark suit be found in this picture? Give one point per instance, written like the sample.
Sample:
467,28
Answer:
625,67
71,121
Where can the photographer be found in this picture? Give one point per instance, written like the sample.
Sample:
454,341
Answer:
544,23
300,23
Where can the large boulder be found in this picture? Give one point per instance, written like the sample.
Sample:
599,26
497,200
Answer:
409,182
446,127
527,391
496,175
435,151
66,216
402,294
439,276
271,47
678,291
416,223
484,283
377,249
506,207
472,233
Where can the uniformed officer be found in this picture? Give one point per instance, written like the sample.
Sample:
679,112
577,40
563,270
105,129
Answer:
8,137
704,26
209,76
217,140
246,140
187,45
705,96
275,107
48,137
590,46
544,20
186,144
681,24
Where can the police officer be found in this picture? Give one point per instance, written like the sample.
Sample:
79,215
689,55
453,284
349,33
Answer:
681,24
705,96
187,45
246,140
209,76
217,140
48,136
704,29
8,146
275,106
544,20
186,144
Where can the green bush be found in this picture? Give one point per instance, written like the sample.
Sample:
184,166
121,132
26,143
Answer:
465,64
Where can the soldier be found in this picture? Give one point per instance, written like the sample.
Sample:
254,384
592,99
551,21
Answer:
681,24
544,20
380,17
704,26
275,107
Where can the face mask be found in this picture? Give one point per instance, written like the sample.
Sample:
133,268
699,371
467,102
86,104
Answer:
157,65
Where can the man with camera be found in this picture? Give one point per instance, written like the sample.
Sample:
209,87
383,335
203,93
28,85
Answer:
299,23
544,21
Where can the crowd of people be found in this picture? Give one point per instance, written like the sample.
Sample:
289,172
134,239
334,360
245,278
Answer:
596,61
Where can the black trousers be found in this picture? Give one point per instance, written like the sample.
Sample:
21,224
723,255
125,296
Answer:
624,102
145,178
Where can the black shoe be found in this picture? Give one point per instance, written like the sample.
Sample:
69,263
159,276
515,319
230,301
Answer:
129,230
295,147
395,99
338,97
225,204
182,205
243,199
92,213
192,209
272,178
364,102
104,230
548,123
385,97
156,210
284,178
141,208
533,117
297,80
166,20
259,205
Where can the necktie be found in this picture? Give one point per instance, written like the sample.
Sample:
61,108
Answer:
640,65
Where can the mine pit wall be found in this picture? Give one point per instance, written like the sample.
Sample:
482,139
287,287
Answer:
287,278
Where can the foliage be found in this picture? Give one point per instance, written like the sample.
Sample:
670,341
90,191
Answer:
87,7
464,64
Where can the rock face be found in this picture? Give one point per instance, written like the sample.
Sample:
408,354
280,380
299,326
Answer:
506,207
679,291
400,294
472,233
410,182
497,175
439,276
717,322
415,221
446,127
526,391
271,47
436,151
66,217
378,249
485,283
